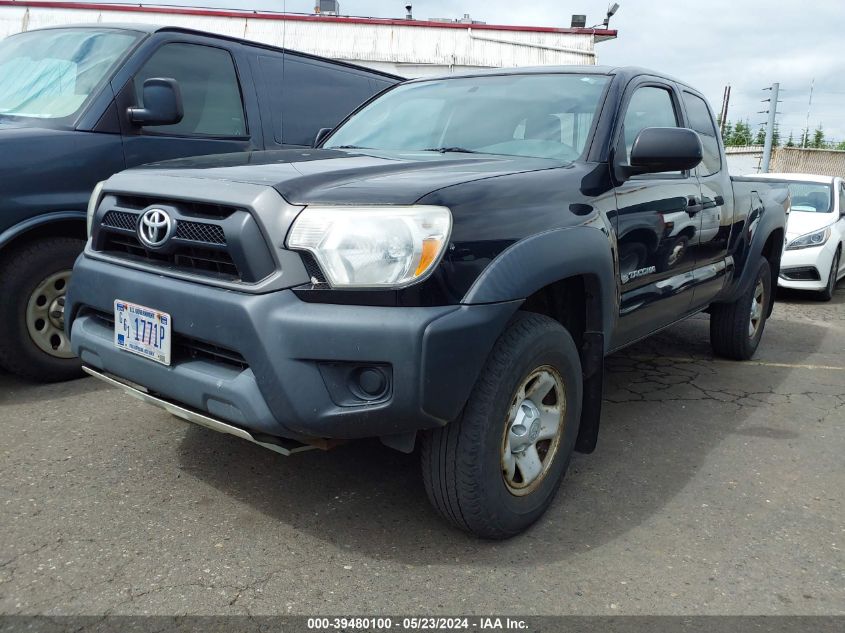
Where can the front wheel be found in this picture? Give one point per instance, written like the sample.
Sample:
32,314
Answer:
736,328
33,285
827,293
494,471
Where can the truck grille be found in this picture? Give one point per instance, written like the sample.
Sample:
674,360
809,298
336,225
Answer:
199,232
209,240
190,258
120,220
185,230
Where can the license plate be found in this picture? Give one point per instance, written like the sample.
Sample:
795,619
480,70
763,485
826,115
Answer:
143,331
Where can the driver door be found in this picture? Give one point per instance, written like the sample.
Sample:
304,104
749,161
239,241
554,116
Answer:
656,223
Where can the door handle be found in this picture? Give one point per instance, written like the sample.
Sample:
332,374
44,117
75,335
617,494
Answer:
693,205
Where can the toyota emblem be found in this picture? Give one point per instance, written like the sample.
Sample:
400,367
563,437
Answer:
154,228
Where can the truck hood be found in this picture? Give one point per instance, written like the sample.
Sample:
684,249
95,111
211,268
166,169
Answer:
803,222
321,176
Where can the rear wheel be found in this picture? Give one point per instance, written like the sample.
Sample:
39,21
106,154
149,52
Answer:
494,471
33,283
736,328
827,293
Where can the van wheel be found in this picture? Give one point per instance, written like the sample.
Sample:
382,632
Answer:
33,284
827,293
736,328
496,469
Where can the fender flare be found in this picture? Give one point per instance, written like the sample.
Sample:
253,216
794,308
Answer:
10,234
535,262
761,223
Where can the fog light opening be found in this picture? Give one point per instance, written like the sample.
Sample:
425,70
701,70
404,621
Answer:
369,383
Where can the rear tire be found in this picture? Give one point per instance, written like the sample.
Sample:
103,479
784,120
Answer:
495,470
33,284
736,328
827,293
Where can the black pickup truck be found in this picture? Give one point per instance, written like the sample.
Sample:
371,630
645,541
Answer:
451,265
80,103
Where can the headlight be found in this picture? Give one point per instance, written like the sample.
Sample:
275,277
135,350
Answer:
373,247
816,238
93,203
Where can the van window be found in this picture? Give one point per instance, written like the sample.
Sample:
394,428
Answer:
210,90
310,96
701,121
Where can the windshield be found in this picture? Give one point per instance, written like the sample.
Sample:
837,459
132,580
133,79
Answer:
811,197
50,74
541,116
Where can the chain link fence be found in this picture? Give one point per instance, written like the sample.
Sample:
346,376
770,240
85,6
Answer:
790,160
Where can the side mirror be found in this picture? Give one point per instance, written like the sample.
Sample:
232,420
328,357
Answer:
659,149
321,136
162,104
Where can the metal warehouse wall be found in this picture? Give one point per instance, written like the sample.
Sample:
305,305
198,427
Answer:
410,49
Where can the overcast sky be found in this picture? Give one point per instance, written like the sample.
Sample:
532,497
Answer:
707,43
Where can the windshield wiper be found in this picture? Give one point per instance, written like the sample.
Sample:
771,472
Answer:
455,150
349,147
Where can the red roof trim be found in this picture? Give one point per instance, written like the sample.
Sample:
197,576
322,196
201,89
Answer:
223,13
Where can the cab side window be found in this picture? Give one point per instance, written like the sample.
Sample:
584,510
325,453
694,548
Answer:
210,90
701,121
649,106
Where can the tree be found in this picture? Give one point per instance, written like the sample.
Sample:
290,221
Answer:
760,139
841,146
790,141
728,133
741,135
776,136
818,139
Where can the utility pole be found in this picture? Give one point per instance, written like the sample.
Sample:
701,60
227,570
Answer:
809,107
770,131
723,118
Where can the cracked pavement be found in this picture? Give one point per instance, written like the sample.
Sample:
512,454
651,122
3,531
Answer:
717,488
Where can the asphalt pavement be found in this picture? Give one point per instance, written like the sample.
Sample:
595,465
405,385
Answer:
717,488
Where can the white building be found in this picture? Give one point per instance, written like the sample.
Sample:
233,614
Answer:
406,47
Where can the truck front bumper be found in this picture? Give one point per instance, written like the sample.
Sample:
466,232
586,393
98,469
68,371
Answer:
281,367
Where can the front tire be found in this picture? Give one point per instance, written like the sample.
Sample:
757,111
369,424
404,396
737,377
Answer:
827,293
495,470
736,328
33,285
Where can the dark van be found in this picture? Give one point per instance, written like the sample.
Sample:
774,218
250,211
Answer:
80,103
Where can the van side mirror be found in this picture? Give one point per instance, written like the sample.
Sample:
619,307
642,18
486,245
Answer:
162,103
659,149
321,136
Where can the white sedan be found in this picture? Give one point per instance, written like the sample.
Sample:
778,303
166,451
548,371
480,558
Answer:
815,233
